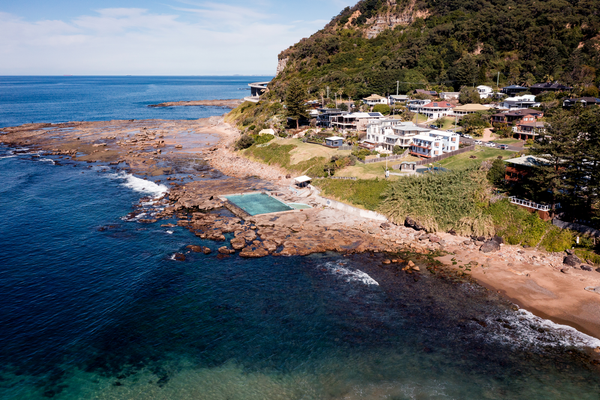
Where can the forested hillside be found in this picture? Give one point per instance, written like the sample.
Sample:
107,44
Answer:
445,44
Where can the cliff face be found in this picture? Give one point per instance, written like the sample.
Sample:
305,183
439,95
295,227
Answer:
446,44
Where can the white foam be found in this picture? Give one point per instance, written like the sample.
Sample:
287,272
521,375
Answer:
170,232
140,185
528,330
3,157
48,160
350,275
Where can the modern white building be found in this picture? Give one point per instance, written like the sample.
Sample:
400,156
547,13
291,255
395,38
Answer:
485,91
383,135
519,102
450,140
426,146
355,121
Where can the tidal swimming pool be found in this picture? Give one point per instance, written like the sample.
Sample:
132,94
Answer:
258,203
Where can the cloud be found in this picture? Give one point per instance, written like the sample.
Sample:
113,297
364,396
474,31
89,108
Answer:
210,38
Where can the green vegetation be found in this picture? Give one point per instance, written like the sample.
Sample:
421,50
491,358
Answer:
366,193
509,141
450,44
464,160
496,174
258,116
382,108
295,98
275,154
440,202
475,124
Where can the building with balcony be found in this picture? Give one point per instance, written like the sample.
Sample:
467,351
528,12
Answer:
529,130
525,101
357,121
257,89
436,109
426,146
485,91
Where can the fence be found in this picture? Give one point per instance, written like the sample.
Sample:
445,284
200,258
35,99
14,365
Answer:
576,227
382,159
341,178
442,157
531,204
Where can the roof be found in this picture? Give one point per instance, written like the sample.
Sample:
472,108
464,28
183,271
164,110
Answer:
374,97
471,107
528,161
334,138
450,93
537,124
584,99
438,104
550,86
426,138
399,96
302,179
484,87
526,97
442,133
514,87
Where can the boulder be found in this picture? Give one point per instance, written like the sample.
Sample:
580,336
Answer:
411,264
225,250
179,257
566,270
434,239
206,250
411,223
481,239
498,239
490,246
572,261
195,249
385,226
387,262
238,243
254,252
586,267
570,252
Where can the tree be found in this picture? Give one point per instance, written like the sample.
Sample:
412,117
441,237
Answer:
496,174
382,108
465,72
474,124
469,95
295,99
397,150
344,107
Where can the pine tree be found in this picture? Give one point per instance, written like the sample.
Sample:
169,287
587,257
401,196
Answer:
295,98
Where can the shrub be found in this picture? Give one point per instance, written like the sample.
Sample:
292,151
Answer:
382,108
244,142
496,174
440,202
397,150
262,139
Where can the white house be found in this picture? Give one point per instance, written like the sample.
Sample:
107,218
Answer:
415,105
426,146
436,109
383,135
449,95
519,102
450,140
375,99
466,109
355,121
485,91
400,98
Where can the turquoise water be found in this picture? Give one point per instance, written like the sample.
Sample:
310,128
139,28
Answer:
299,206
258,203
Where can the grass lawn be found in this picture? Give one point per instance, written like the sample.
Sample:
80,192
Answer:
509,141
374,170
306,151
419,118
482,153
448,123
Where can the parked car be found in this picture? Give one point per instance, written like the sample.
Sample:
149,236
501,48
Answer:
490,144
479,142
503,147
466,135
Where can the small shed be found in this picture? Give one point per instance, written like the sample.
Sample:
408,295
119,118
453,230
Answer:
408,166
334,141
302,181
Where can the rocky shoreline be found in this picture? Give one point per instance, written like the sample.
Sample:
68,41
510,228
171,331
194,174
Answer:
194,159
233,103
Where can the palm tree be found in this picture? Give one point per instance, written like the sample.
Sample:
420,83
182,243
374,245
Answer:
340,92
322,94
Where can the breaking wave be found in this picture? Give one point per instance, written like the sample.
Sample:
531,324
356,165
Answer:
140,185
339,268
523,329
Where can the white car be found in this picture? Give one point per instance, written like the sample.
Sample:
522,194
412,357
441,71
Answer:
479,142
467,136
490,144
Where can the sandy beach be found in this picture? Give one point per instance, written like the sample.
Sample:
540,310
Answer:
534,280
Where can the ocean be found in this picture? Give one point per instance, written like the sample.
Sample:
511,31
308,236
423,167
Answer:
93,305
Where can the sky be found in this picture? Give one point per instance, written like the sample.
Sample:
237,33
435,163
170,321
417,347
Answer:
154,37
